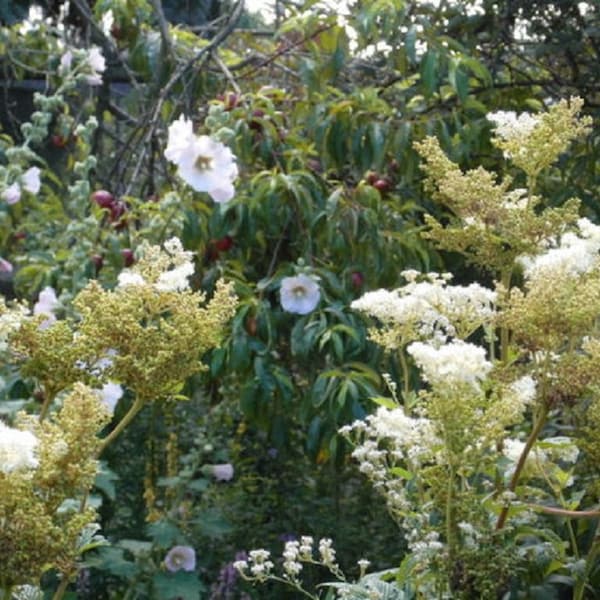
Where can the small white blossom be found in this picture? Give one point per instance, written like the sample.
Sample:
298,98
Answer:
97,65
46,305
223,472
107,22
175,280
300,294
129,278
17,449
31,180
240,565
327,552
12,194
510,126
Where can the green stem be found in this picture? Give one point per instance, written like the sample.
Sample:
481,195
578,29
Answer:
589,565
504,333
450,538
48,396
131,413
535,432
62,588
405,375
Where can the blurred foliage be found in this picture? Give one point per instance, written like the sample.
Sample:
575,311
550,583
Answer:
322,113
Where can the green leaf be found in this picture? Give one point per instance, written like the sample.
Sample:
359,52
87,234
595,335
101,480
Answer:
105,479
180,585
164,533
429,72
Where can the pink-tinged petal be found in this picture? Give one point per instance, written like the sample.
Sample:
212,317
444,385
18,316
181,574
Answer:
5,266
12,194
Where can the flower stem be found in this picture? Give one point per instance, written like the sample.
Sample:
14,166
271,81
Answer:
535,432
131,413
62,588
405,374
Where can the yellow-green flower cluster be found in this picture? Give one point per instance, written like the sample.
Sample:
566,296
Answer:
38,529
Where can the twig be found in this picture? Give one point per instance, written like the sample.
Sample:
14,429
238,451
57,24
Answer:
226,72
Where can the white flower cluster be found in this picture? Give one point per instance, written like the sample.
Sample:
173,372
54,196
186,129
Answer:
260,564
455,363
176,279
17,449
91,61
389,438
575,254
511,126
29,181
430,309
10,322
291,563
327,553
424,546
172,279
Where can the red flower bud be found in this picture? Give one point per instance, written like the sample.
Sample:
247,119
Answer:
103,199
128,257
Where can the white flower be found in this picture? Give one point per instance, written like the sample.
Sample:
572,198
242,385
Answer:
223,472
202,162
107,22
110,394
97,64
455,363
327,552
31,180
46,305
299,294
576,253
510,126
127,277
12,194
17,449
66,60
525,389
176,279
180,558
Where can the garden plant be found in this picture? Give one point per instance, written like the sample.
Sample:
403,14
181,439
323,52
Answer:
299,305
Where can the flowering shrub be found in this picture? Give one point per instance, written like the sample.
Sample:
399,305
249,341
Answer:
481,459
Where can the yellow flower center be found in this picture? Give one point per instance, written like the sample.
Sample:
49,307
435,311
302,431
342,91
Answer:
203,163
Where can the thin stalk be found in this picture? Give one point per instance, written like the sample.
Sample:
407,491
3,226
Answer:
450,517
62,588
405,374
579,589
535,432
48,396
131,413
504,332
